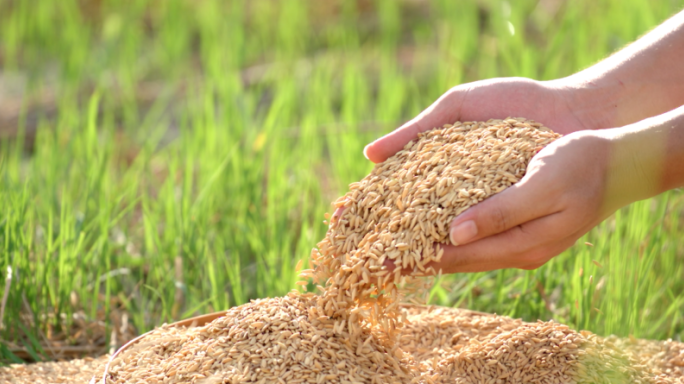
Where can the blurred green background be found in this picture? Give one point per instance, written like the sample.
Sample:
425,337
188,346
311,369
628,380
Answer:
162,159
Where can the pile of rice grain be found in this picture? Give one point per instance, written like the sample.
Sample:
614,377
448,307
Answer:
459,346
275,340
54,372
397,214
357,330
280,341
664,358
432,337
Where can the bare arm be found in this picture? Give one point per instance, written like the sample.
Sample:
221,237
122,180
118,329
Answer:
646,158
580,179
642,80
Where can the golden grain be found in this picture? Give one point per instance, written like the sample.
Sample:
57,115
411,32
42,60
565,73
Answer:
358,329
392,219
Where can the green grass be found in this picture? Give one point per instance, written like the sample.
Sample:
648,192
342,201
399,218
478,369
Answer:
188,150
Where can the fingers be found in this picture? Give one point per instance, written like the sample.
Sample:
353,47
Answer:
445,110
526,246
522,202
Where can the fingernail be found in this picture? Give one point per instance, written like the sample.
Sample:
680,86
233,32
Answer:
463,232
365,151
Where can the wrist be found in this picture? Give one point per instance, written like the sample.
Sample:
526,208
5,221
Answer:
594,102
636,163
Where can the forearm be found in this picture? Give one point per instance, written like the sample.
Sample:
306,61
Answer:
642,80
645,158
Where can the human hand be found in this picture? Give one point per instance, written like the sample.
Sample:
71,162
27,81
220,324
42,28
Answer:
518,217
570,186
550,103
560,198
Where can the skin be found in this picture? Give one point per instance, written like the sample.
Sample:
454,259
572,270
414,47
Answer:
624,141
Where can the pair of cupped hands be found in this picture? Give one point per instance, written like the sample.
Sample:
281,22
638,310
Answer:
561,196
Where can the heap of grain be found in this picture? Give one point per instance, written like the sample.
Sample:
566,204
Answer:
279,341
459,346
265,341
357,330
395,216
665,358
54,372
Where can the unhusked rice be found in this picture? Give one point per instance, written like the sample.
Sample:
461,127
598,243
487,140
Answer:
357,330
275,340
438,345
665,358
460,346
395,216
63,372
431,340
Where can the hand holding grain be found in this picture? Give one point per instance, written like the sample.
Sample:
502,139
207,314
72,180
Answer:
580,179
560,198
502,214
546,102
570,186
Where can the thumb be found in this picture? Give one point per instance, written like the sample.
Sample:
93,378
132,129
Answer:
445,110
514,206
